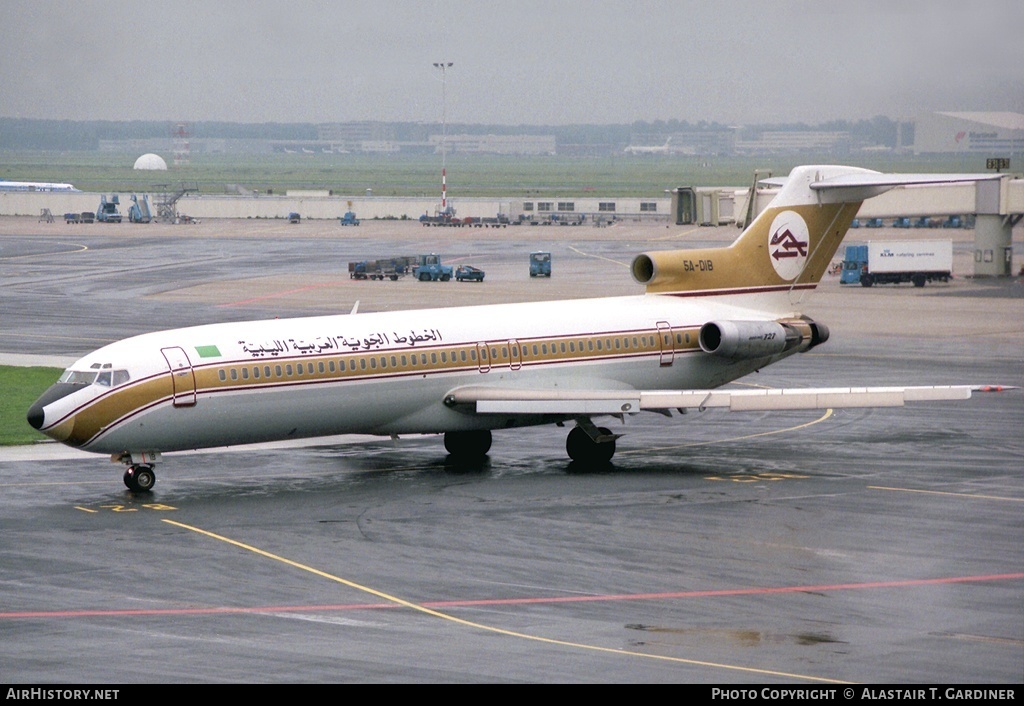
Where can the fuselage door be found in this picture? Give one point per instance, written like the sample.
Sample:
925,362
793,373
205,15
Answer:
483,358
183,378
666,344
515,356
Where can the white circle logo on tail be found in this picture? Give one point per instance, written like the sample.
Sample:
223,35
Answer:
788,241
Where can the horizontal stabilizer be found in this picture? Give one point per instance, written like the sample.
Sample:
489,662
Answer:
488,400
864,184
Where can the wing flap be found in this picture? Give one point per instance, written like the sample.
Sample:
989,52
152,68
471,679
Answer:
487,400
614,405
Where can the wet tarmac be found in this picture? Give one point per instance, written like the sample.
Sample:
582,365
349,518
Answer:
871,546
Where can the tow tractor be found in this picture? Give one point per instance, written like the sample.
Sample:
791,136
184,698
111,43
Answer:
429,268
540,264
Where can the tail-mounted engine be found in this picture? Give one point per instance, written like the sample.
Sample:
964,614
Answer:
760,339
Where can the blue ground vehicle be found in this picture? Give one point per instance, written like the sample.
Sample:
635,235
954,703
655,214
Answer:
540,264
428,268
468,273
854,262
139,211
349,219
107,212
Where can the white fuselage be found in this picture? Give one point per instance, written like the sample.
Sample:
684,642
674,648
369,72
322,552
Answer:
383,373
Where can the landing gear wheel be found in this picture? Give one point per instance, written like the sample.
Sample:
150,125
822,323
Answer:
140,479
468,444
583,449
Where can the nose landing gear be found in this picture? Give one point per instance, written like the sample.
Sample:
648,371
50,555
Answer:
139,477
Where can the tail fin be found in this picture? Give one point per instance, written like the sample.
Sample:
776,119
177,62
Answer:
789,245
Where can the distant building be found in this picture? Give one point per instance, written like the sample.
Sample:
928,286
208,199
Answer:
137,145
690,142
497,144
706,142
991,134
361,136
795,142
196,145
378,146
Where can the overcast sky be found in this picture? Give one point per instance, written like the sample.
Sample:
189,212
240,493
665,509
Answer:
514,61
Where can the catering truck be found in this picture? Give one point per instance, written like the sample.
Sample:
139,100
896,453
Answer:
895,261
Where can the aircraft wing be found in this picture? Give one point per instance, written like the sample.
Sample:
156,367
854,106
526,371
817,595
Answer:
497,400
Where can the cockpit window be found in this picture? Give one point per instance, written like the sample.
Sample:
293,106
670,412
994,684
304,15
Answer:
105,377
78,377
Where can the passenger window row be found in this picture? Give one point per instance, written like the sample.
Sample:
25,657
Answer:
488,354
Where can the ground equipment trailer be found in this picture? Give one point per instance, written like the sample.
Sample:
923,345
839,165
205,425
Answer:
468,273
389,268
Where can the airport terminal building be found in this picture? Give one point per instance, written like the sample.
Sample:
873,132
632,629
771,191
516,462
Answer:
992,134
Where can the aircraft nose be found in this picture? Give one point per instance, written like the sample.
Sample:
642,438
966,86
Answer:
35,415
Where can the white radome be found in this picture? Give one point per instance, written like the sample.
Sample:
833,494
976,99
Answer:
150,161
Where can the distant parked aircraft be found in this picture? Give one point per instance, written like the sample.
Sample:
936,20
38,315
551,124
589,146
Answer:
649,149
34,186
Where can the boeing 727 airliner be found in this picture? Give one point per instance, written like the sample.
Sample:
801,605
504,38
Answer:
708,317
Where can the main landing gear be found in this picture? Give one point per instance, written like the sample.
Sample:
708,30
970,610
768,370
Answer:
588,443
468,445
139,477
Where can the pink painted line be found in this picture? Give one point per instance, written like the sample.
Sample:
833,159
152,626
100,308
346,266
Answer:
227,610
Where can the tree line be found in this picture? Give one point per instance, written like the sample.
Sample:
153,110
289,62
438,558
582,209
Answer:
25,134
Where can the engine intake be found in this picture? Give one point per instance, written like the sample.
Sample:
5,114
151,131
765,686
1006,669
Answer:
759,339
643,268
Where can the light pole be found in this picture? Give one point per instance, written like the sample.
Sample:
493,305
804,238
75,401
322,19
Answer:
444,66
